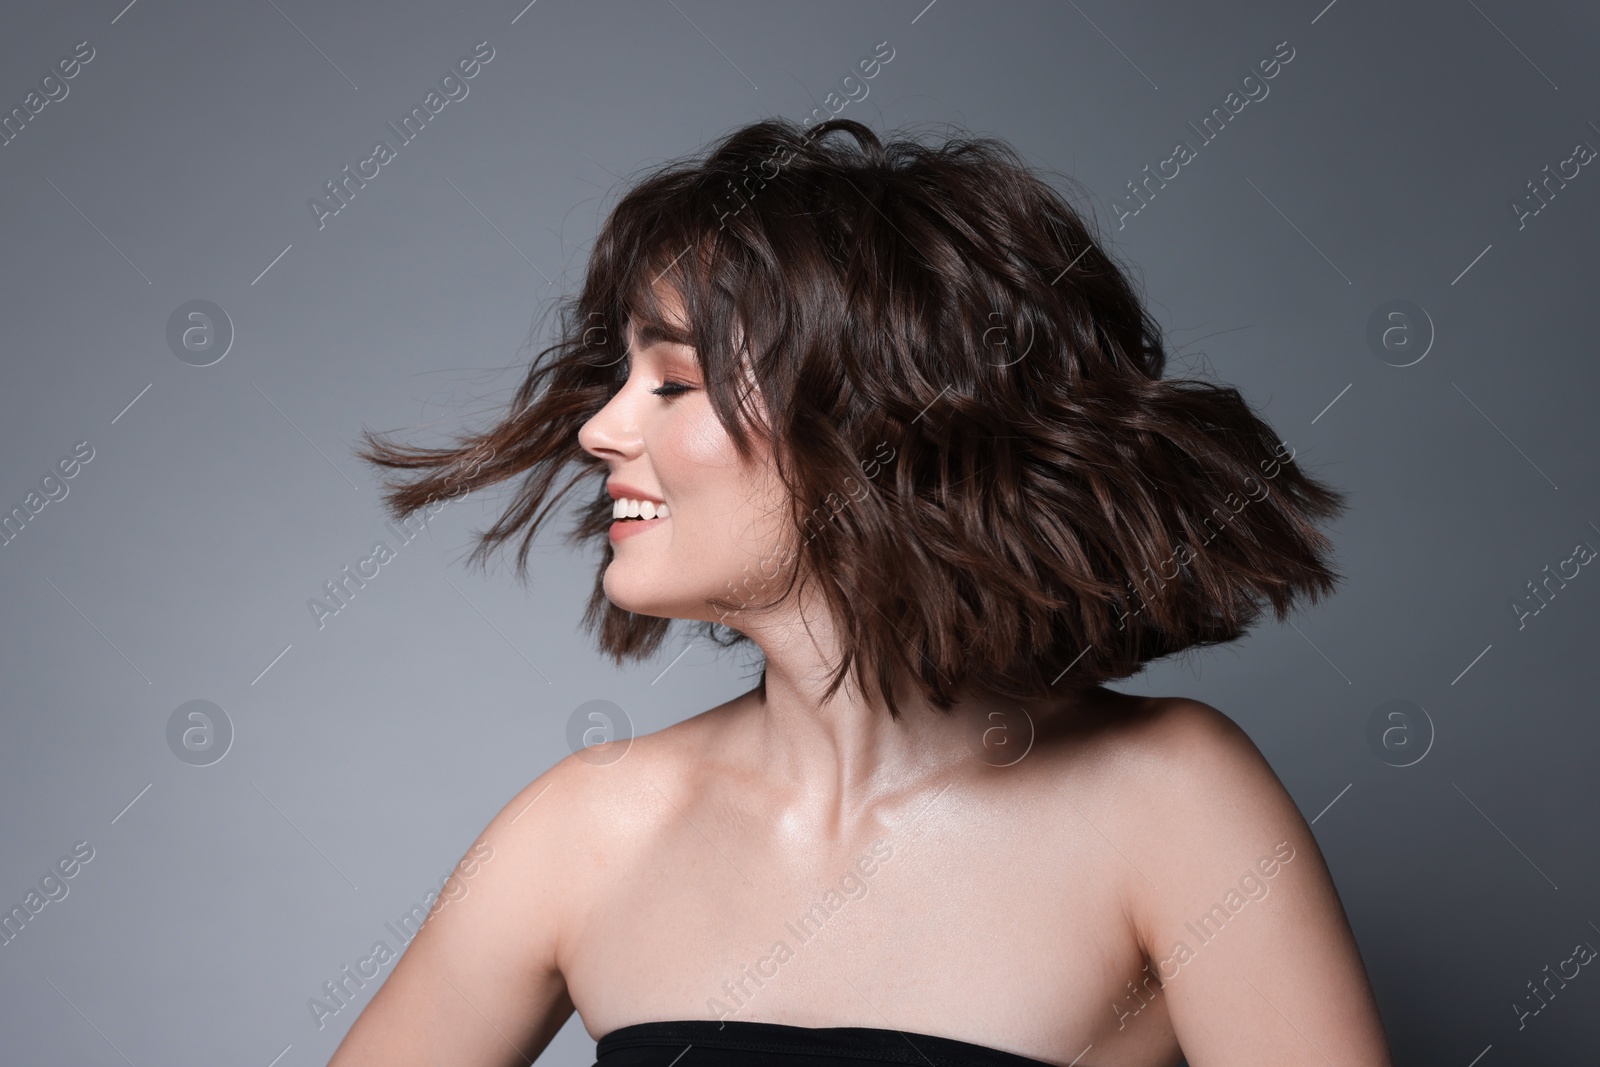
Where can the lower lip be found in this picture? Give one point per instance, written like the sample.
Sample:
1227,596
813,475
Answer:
621,530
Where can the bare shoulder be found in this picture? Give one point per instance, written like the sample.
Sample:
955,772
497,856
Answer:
496,940
589,798
594,784
1185,794
588,811
1193,786
1233,898
1161,727
1190,744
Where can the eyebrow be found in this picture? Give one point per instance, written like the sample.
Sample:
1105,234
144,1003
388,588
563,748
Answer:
652,334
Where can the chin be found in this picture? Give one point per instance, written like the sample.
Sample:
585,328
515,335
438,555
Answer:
630,594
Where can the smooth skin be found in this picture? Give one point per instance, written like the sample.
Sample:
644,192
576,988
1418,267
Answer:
1036,907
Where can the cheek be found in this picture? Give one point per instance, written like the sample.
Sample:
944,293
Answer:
695,440
731,507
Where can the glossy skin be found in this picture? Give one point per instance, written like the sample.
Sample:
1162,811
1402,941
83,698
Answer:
1009,906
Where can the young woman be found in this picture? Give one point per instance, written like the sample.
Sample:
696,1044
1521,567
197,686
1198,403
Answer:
892,416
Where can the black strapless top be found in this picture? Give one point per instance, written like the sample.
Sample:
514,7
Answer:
736,1043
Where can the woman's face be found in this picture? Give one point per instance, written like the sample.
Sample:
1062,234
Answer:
726,517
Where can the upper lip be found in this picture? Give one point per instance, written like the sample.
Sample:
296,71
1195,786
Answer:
618,491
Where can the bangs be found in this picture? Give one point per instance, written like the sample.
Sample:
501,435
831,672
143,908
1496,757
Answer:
701,274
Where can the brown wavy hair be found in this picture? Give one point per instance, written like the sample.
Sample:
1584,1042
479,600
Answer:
995,484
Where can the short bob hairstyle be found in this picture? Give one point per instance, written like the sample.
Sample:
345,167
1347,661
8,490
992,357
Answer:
992,483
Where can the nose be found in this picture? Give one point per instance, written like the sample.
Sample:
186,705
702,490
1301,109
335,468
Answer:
612,433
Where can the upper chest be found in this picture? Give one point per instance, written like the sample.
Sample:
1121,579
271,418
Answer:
994,912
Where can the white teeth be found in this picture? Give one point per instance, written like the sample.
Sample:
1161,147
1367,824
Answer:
624,508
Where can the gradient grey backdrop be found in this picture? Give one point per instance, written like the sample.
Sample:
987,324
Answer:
1382,166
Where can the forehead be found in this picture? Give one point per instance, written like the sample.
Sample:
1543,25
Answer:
647,334
657,318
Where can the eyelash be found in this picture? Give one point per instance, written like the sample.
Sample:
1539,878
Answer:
671,389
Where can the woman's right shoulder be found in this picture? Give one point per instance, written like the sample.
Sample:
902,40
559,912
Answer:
608,796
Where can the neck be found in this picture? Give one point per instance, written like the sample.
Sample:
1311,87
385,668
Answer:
838,757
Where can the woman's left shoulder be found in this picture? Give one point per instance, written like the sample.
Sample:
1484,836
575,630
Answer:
1197,800
1191,791
1182,741
1221,867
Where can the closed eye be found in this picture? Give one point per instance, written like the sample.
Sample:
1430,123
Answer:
671,389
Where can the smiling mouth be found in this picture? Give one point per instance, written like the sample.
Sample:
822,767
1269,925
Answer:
626,510
624,526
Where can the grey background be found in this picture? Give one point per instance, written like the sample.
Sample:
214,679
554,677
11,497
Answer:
365,760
